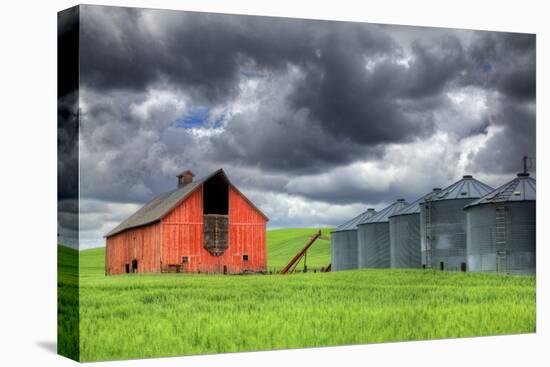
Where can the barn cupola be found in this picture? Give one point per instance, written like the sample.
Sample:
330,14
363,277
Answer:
185,178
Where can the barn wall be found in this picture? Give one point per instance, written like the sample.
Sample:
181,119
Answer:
142,242
247,235
182,235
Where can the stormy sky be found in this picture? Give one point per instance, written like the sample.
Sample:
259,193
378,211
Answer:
313,120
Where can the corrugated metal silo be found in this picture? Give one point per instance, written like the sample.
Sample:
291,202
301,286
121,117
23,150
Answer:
373,237
501,229
405,235
443,224
344,242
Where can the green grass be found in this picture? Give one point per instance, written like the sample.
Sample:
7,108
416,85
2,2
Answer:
136,316
92,262
67,302
284,244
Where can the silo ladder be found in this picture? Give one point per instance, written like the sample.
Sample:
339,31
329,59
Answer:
428,224
500,239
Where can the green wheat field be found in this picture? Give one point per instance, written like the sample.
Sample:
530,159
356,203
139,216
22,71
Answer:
138,316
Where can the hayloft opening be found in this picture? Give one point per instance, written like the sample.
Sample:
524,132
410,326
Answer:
216,214
216,195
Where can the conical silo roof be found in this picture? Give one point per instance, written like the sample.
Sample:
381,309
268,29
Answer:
352,223
414,207
521,188
384,214
465,188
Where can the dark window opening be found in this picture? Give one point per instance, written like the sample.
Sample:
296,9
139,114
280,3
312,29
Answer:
216,195
134,266
185,260
441,265
245,257
225,269
463,267
216,210
127,268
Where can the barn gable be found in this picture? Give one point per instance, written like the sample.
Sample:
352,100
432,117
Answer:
164,203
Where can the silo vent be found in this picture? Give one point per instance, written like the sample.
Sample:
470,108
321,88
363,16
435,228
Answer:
185,178
463,193
467,176
400,200
437,189
370,209
517,193
523,174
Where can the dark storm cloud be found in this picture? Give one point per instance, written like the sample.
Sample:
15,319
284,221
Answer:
67,129
204,54
299,103
503,152
291,143
67,51
196,51
350,108
512,75
512,61
344,100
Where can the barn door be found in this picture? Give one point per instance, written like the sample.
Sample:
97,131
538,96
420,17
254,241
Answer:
216,233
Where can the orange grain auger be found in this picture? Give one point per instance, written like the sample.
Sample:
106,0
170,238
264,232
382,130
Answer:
291,266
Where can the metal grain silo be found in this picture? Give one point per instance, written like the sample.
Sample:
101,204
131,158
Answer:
344,242
443,224
373,237
405,235
501,229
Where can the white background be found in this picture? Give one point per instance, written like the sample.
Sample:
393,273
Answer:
28,182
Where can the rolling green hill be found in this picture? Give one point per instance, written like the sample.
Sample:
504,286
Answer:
284,244
92,262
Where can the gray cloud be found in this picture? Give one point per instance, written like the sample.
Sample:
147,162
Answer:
327,114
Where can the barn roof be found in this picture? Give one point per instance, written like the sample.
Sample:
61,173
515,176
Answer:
161,205
521,188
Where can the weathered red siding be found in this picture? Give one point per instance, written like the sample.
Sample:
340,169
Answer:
180,233
246,234
144,241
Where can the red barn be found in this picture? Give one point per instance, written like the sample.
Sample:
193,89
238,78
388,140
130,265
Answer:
205,226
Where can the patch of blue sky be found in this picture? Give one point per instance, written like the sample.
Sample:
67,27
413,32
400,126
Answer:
199,117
